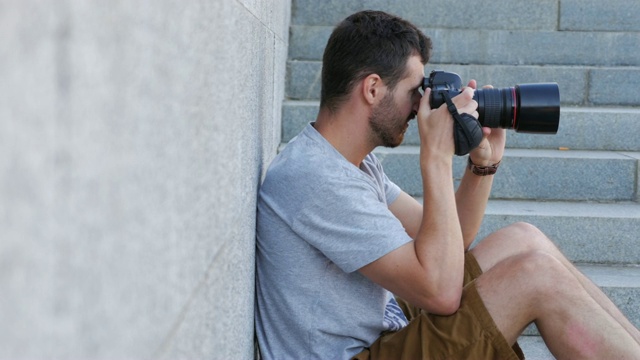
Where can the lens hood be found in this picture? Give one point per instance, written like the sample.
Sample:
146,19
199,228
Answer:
538,109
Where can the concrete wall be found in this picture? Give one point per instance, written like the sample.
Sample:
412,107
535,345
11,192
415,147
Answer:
133,135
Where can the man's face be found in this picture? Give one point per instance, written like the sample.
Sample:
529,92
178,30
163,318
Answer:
389,120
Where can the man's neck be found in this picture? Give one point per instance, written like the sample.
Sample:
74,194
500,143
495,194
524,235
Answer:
347,133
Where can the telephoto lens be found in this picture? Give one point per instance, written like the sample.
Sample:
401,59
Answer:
527,108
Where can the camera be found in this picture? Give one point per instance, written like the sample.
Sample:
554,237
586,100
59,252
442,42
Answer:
527,108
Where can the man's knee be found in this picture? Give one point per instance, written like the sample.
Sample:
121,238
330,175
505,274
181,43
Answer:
531,237
526,230
543,273
530,281
517,239
521,237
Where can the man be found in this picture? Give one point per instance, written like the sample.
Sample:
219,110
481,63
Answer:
337,241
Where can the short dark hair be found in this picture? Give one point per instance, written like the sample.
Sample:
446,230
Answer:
368,42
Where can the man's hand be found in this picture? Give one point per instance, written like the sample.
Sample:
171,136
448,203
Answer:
436,125
491,148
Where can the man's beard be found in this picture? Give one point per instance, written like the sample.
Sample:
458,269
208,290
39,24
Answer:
387,126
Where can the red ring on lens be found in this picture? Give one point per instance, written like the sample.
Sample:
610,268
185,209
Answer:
515,107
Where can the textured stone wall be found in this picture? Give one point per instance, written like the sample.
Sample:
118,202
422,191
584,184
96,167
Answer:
133,135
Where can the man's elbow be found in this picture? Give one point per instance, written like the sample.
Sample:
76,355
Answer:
446,303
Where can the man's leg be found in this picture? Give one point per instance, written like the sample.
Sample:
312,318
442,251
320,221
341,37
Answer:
537,287
521,286
521,238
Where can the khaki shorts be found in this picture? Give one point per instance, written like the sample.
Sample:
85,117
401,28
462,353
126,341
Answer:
470,333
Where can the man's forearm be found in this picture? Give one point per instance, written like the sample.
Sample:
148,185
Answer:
471,199
439,243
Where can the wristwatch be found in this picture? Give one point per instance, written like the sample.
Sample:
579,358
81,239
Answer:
482,170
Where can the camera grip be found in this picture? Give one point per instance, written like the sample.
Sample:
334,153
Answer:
467,132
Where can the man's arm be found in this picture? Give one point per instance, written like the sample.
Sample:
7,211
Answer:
474,190
472,197
471,201
428,272
409,211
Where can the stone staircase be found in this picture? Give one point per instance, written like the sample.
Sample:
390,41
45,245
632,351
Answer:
579,186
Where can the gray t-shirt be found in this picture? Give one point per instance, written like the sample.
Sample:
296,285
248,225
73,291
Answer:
320,219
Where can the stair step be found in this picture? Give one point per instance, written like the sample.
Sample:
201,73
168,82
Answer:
535,174
581,128
586,232
579,85
578,15
506,47
499,14
595,15
534,348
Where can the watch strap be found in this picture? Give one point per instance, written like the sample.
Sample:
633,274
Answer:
482,170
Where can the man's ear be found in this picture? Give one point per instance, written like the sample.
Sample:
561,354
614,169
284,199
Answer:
373,89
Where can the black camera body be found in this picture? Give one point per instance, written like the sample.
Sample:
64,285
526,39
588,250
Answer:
528,108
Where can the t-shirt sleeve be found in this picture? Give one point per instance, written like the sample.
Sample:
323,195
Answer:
350,224
392,191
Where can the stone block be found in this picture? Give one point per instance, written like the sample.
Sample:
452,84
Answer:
586,232
295,116
501,47
503,14
587,128
576,175
533,47
304,80
527,174
614,86
307,43
591,15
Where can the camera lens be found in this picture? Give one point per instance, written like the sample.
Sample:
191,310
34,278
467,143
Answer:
528,108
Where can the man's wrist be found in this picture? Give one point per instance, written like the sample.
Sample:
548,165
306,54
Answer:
432,158
482,170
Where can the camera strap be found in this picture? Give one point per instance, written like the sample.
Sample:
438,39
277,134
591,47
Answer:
467,132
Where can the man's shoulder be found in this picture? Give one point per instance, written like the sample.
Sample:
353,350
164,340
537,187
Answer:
309,167
306,160
299,159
